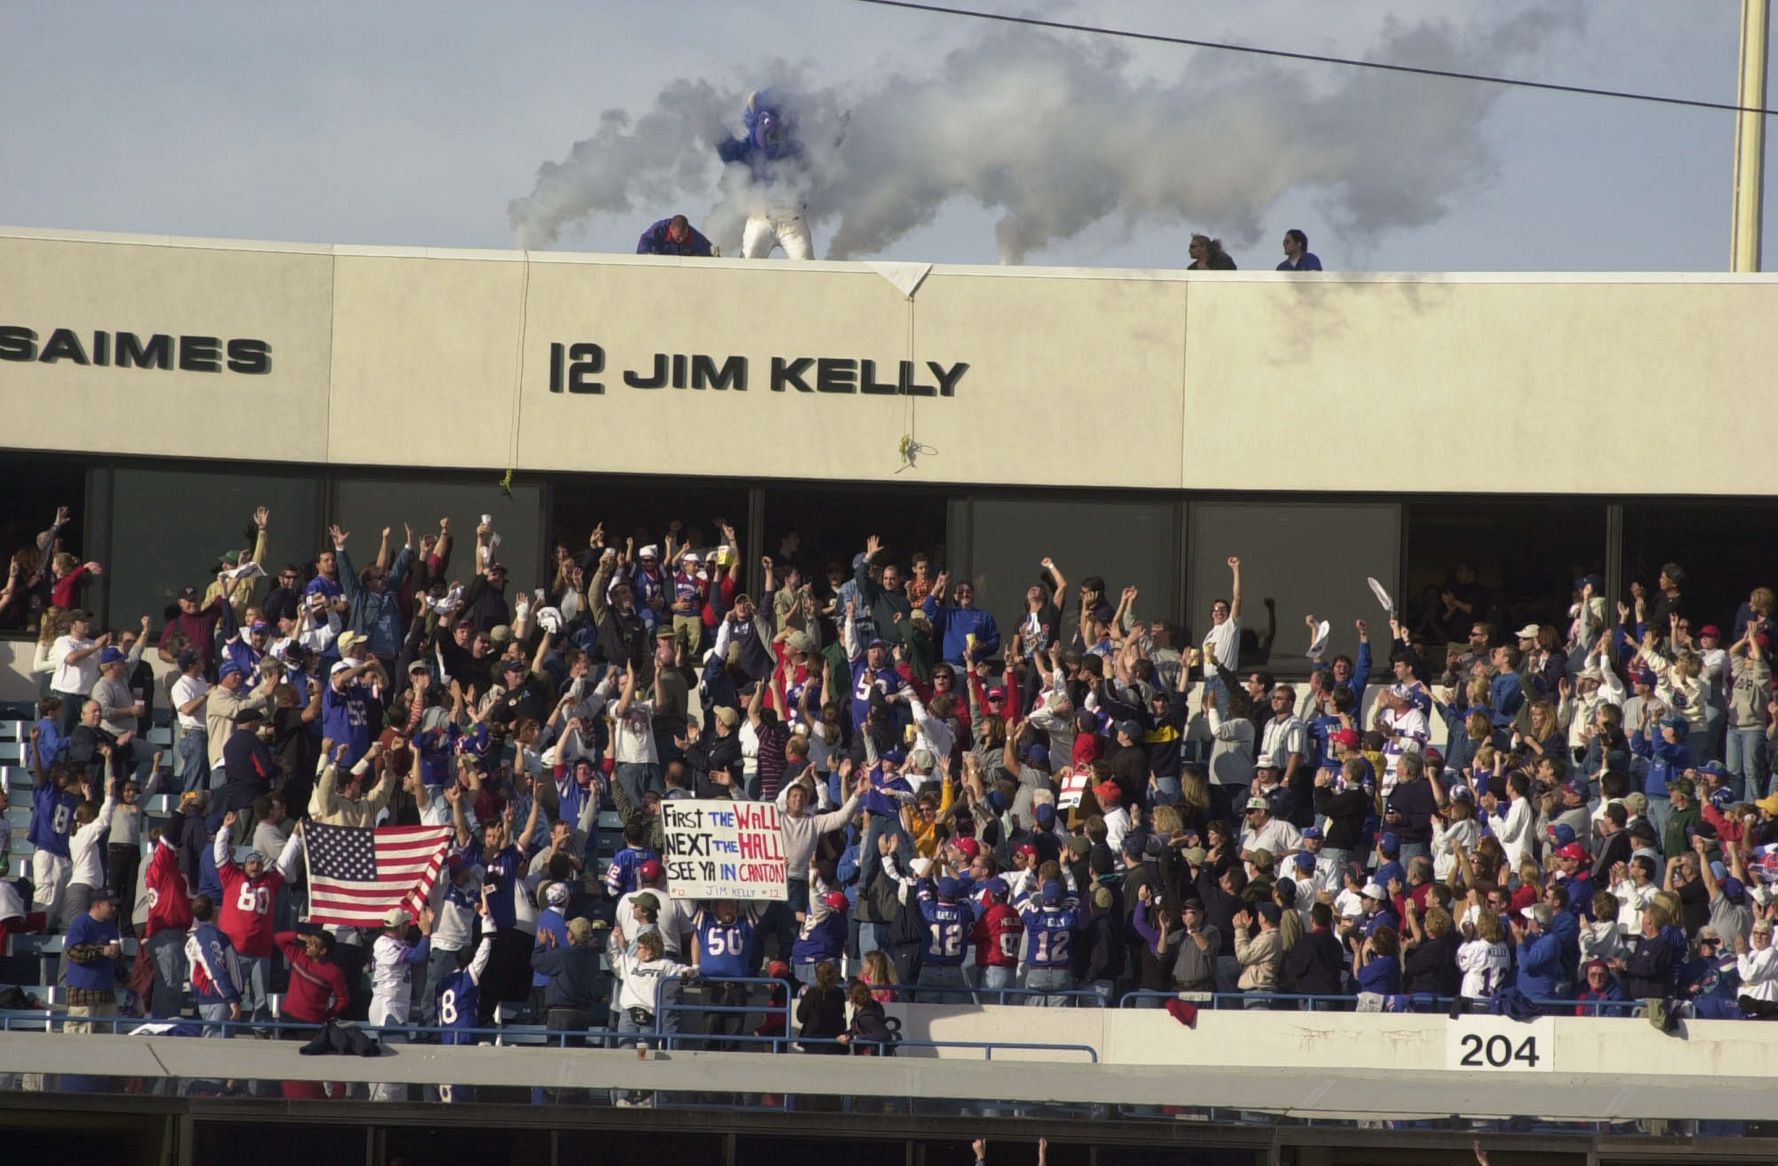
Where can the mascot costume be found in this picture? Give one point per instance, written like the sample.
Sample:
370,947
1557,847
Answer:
769,173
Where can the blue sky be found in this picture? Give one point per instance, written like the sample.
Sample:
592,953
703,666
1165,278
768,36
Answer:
415,124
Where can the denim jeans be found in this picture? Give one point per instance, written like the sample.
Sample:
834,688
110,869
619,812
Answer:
192,749
872,937
1746,749
1660,812
256,972
637,778
167,949
214,1013
991,980
1049,980
941,984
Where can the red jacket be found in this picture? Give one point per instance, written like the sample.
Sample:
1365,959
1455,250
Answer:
169,895
318,991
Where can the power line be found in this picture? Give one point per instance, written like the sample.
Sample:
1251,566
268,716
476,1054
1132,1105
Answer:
1317,58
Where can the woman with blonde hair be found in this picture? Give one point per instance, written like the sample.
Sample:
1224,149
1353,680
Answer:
1194,805
879,974
1453,826
1483,958
43,665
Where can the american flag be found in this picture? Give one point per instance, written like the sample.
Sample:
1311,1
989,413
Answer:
356,874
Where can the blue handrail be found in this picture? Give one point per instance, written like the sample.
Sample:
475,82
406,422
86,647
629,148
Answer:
1545,1005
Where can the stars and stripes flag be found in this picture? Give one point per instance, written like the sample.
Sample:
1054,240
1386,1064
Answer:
357,875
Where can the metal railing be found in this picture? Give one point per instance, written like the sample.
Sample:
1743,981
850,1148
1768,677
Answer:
1413,1002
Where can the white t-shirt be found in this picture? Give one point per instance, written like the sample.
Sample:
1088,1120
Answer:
86,857
185,690
633,736
1222,643
78,677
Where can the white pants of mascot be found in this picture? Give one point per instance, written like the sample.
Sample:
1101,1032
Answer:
783,228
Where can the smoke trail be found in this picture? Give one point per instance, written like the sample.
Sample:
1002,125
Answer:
1055,135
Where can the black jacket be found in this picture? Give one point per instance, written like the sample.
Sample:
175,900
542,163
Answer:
1431,966
1346,813
1312,967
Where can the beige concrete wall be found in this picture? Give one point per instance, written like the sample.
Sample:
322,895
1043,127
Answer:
1248,380
198,289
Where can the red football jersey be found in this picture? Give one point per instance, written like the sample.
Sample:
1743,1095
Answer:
248,906
997,935
169,895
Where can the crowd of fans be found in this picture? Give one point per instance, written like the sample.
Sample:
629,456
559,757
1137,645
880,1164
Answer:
1057,807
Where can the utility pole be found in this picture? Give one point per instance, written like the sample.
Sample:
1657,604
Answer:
1750,139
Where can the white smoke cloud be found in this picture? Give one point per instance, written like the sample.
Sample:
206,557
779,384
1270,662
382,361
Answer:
1057,133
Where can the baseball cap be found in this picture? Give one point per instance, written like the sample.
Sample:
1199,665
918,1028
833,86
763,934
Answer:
1345,737
1258,803
1038,756
997,887
1052,892
947,888
348,641
512,666
1528,632
1710,629
188,593
1134,844
836,900
1305,861
727,716
996,694
1389,843
581,928
969,846
1714,769
1311,832
651,870
188,657
1562,832
1645,677
258,626
1045,813
1538,911
1575,851
1130,729
894,756
1026,849
249,716
1734,890
1269,911
556,895
109,656
396,917
1768,804
80,615
1373,891
1109,793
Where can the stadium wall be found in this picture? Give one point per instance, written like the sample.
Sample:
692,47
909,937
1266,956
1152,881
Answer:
1154,379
